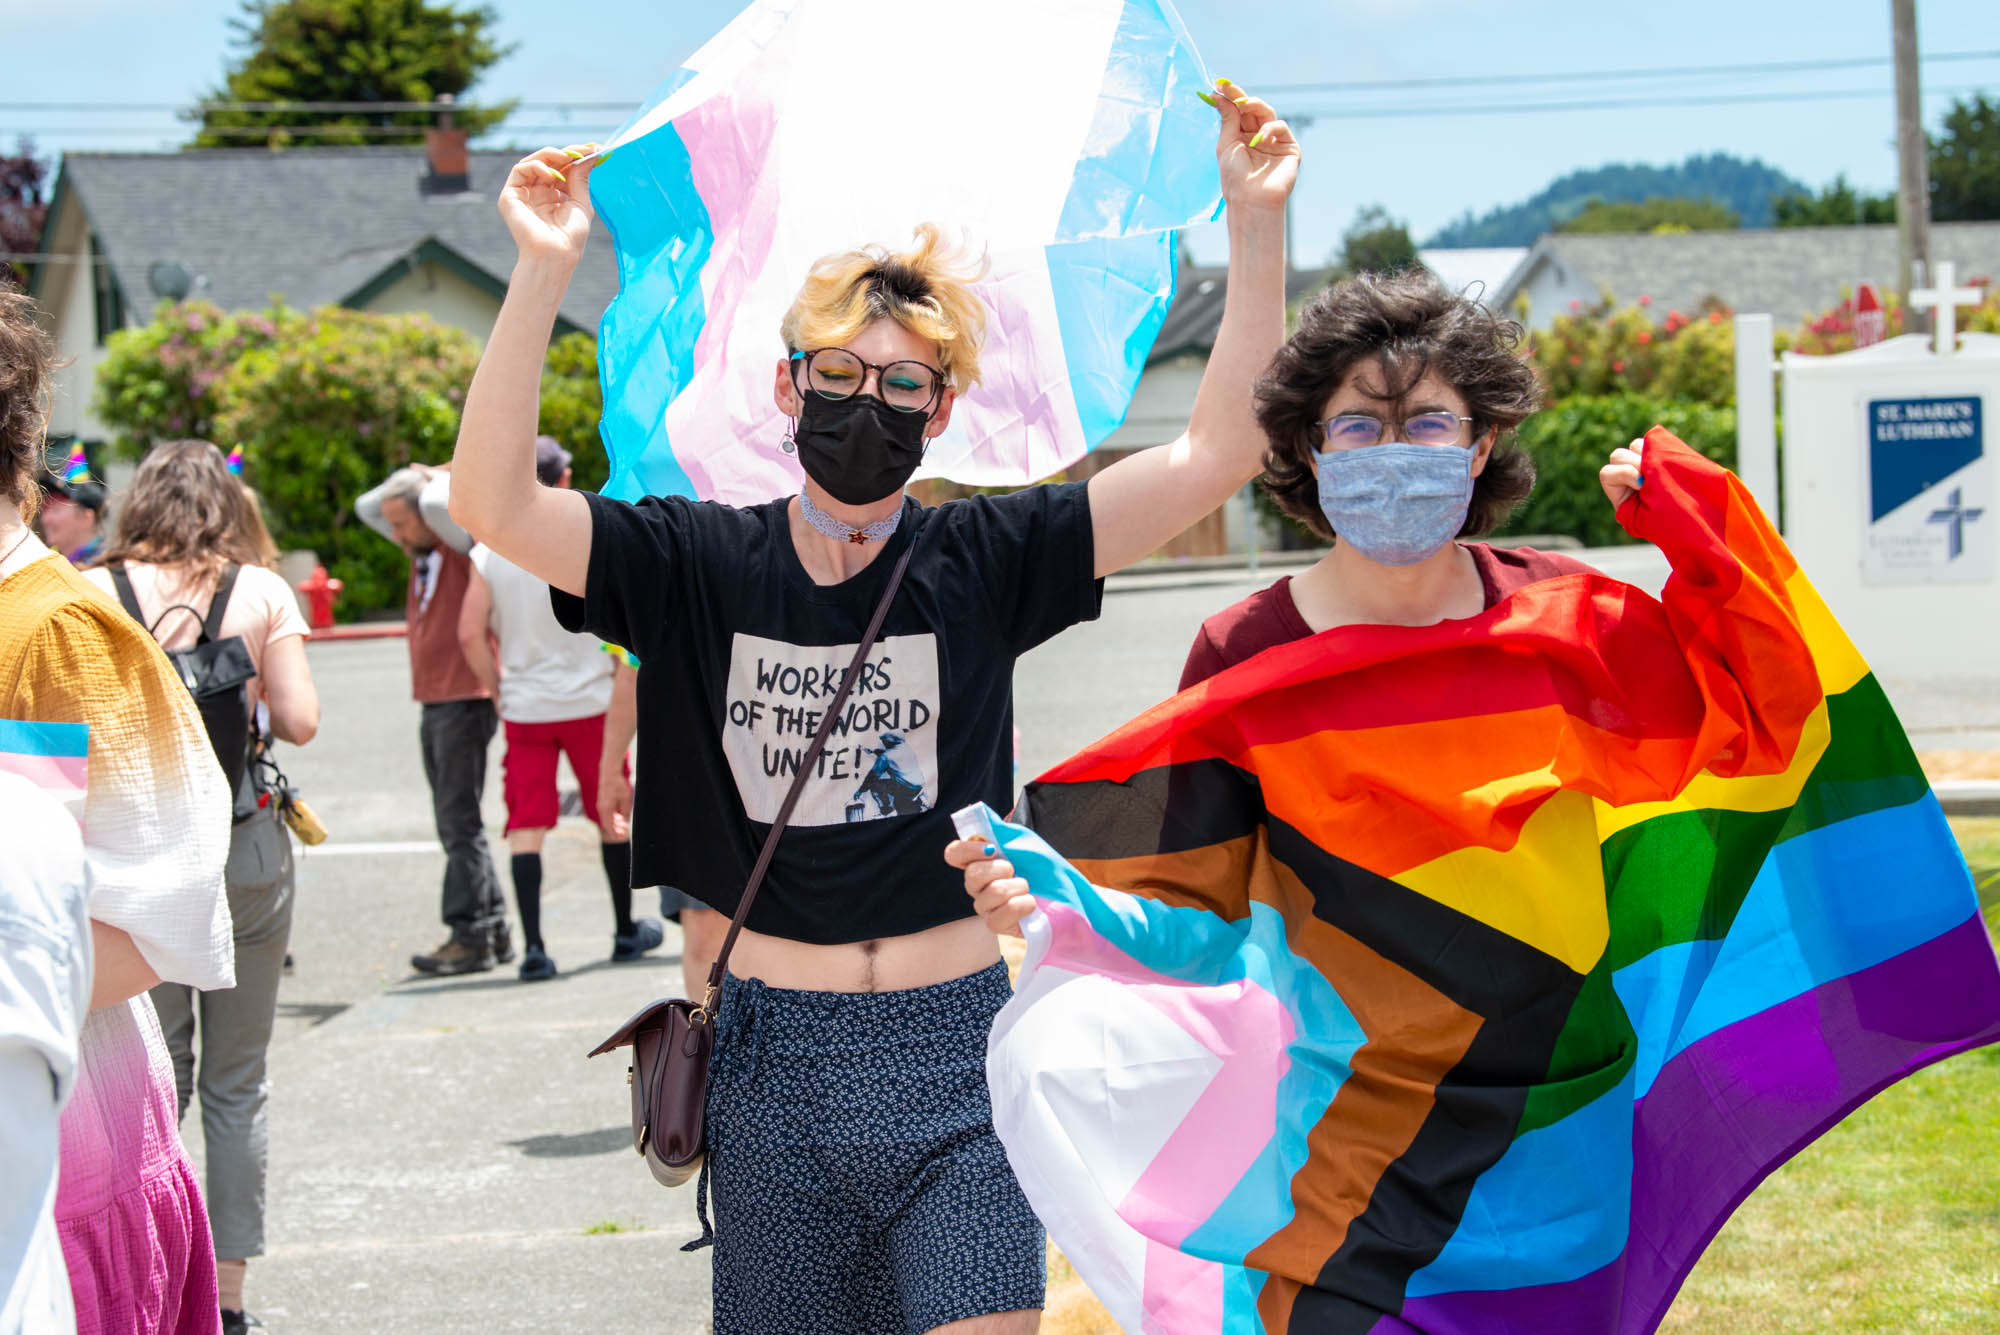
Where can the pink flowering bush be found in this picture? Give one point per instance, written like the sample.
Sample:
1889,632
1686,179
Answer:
1637,349
328,409
162,381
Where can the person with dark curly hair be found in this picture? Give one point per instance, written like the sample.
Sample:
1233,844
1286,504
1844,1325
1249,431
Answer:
1390,415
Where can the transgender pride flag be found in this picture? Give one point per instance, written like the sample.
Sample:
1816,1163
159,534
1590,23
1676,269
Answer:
55,757
1462,979
1062,137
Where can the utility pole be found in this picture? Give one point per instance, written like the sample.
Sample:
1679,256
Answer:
1913,189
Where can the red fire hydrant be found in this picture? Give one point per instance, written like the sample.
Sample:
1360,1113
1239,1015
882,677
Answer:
320,591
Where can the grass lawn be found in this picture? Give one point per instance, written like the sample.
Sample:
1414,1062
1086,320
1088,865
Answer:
1890,1222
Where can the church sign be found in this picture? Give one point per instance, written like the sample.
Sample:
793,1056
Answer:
1930,491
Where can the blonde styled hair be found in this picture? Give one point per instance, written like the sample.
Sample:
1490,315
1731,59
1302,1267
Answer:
926,289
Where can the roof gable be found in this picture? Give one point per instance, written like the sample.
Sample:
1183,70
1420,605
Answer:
1788,272
315,226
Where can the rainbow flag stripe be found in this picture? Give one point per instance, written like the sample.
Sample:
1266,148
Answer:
1464,978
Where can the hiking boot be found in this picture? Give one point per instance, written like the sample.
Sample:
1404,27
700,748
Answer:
503,943
536,965
456,956
646,934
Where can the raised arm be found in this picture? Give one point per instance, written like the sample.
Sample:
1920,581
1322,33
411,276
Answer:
1140,503
473,634
544,530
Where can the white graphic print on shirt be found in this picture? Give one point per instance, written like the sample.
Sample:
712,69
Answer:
881,757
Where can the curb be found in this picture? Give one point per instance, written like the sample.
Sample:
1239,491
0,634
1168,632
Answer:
1968,797
363,630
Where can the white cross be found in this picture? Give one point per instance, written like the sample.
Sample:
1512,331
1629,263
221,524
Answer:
1943,301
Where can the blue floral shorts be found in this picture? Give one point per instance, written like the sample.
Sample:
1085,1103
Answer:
858,1186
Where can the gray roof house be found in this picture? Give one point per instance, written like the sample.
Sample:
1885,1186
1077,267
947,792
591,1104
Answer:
381,229
1786,272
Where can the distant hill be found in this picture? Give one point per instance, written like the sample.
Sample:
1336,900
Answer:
1742,185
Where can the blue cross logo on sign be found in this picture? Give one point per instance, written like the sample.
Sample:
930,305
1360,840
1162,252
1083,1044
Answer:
1957,515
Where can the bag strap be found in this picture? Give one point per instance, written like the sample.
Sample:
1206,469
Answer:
211,625
225,583
126,593
806,763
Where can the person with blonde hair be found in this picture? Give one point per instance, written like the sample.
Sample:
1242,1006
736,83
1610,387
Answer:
858,1184
186,544
133,1228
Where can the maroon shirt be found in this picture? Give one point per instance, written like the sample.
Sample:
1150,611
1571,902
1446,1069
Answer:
1269,617
438,670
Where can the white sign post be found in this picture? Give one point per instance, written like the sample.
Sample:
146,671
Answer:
1889,491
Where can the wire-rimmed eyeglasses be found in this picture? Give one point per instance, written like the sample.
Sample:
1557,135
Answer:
836,373
1353,431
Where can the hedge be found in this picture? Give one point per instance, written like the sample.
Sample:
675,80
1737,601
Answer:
324,404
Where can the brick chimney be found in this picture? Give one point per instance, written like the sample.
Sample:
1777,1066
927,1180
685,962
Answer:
450,167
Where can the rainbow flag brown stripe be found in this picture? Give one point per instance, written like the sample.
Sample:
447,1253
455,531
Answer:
1464,978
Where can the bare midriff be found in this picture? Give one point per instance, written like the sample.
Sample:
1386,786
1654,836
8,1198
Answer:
891,964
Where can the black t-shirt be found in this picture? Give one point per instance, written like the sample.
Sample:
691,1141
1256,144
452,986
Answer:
739,650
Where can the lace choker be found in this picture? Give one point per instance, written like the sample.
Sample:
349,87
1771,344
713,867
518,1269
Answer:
825,523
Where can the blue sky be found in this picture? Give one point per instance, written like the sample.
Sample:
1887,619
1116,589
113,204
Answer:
1425,168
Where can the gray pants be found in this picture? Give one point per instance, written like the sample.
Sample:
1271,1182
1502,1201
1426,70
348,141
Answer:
235,1026
455,736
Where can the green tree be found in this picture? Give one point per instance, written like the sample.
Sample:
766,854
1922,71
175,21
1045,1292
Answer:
24,205
572,404
1569,439
1838,205
1659,214
323,404
351,51
1376,243
1965,163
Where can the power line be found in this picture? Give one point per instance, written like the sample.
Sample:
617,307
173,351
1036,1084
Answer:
1329,86
1653,103
1301,117
1657,72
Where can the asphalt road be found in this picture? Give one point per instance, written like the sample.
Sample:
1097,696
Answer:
443,1159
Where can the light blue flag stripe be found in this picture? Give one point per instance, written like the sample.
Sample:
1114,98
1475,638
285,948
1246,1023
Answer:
63,741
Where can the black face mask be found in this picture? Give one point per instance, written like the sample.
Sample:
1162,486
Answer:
859,448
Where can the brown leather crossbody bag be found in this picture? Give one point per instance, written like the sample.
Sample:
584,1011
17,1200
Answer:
672,1039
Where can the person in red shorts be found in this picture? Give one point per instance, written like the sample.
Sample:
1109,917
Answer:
554,689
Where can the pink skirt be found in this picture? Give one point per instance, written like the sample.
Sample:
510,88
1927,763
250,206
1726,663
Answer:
128,1207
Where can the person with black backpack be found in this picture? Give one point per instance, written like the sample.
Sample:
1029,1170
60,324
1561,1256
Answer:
186,564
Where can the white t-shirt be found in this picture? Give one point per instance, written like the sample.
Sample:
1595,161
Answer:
547,674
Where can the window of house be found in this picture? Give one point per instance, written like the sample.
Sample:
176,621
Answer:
110,303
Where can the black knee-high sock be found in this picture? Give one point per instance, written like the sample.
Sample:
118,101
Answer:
618,871
528,896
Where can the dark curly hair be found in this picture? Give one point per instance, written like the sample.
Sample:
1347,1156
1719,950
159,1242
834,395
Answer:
1409,324
27,358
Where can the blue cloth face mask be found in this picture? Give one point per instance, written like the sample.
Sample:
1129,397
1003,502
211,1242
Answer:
1396,503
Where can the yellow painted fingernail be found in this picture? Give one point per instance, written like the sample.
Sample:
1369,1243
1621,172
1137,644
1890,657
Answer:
574,155
1208,98
1258,138
1240,101
1221,80
559,176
